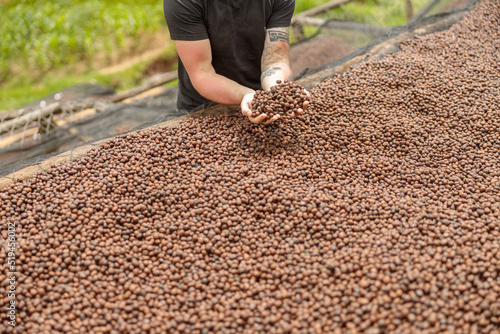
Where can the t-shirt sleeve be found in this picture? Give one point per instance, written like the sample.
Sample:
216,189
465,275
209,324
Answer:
282,14
184,20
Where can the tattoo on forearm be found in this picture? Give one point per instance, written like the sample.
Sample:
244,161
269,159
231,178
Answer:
278,36
275,54
269,71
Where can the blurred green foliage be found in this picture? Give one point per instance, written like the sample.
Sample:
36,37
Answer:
303,5
39,36
389,13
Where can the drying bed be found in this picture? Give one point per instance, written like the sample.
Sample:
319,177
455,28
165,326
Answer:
376,210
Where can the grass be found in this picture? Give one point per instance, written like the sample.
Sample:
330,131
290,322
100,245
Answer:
389,13
22,90
303,5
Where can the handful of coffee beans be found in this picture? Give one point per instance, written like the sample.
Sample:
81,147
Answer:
283,99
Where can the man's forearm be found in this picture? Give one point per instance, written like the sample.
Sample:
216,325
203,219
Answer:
275,60
220,89
278,71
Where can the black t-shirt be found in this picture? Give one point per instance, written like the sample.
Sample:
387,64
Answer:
236,30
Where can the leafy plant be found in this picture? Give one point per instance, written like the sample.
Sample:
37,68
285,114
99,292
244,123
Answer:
36,37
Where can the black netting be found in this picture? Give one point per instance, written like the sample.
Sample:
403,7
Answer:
115,120
445,20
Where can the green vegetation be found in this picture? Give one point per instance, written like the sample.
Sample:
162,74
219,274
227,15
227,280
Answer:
37,37
69,36
303,5
389,13
46,46
22,91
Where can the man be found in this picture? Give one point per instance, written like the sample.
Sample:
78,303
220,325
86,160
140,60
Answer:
228,49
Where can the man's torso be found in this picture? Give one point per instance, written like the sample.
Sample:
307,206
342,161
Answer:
236,30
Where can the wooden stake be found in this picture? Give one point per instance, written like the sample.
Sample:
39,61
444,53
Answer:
409,9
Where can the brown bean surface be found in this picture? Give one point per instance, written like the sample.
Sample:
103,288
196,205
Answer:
284,99
376,211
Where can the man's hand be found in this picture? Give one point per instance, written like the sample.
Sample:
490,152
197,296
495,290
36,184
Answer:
246,109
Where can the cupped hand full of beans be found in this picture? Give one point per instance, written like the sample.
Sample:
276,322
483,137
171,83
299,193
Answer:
284,99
